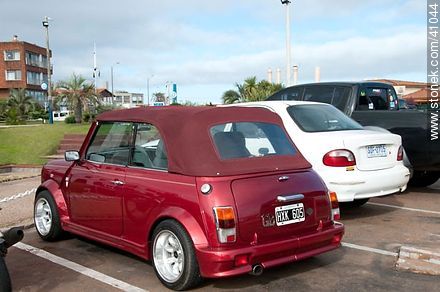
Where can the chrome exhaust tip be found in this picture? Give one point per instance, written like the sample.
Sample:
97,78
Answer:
257,270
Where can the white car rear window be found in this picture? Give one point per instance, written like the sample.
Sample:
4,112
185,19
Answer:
321,118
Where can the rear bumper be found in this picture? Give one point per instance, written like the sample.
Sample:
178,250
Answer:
354,185
214,263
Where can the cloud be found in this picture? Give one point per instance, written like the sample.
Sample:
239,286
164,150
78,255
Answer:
215,43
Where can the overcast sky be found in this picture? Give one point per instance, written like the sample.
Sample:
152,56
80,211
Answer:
206,46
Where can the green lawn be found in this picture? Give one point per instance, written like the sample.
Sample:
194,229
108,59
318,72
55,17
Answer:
27,145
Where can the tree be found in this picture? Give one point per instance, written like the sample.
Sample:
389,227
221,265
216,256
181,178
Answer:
231,96
78,94
3,109
250,90
21,103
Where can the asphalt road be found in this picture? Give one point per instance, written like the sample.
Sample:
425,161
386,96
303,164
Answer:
381,227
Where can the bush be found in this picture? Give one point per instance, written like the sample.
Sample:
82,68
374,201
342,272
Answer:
12,117
70,120
86,117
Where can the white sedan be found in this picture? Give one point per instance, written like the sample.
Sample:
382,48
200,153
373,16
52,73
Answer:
355,163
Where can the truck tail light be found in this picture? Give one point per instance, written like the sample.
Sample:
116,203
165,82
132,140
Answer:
335,214
339,158
225,223
400,153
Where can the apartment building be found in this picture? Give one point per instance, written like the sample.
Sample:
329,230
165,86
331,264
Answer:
127,99
23,65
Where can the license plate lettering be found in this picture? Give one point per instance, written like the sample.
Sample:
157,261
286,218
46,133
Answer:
376,151
289,214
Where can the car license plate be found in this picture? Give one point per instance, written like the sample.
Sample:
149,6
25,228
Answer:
290,214
376,151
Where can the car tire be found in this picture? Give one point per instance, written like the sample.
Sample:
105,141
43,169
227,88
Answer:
424,178
354,204
46,217
5,281
173,256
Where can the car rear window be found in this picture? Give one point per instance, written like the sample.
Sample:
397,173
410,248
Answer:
250,139
377,99
321,118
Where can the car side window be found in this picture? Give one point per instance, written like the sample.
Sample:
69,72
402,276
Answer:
149,148
111,143
292,93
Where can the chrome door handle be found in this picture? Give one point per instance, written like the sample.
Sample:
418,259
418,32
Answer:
289,198
117,182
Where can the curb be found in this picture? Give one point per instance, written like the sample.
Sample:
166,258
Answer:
420,261
9,178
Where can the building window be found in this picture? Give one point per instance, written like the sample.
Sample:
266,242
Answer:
12,55
13,75
36,60
34,78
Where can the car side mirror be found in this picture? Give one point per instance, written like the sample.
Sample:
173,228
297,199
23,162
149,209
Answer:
71,155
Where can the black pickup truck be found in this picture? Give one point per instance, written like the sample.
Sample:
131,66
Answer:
375,105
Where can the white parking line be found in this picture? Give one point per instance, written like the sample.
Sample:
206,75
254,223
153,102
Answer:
18,196
79,268
404,208
370,249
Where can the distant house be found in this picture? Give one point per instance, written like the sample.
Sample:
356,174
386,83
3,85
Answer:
414,92
105,96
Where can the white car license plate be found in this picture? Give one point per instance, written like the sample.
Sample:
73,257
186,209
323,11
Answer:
376,151
290,214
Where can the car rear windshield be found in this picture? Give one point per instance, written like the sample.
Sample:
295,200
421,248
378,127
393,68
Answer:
250,139
321,118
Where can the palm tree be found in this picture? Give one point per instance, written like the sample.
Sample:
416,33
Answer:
231,96
250,87
250,90
78,93
21,102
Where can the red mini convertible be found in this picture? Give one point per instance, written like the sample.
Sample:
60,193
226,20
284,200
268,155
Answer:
200,191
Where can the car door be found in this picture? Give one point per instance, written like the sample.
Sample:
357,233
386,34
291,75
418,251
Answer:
146,181
96,184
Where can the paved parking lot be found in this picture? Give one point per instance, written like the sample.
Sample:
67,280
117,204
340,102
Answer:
366,262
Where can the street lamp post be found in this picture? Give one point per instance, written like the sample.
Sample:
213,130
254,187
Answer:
49,71
148,89
111,80
288,49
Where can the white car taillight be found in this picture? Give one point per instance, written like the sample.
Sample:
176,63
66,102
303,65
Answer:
225,223
339,158
334,204
400,154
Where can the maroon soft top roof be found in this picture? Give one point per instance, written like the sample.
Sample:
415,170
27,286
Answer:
186,134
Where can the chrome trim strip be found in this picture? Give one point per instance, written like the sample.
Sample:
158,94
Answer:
289,198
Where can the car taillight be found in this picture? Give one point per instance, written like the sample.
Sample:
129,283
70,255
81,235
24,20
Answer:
225,223
339,158
335,214
400,154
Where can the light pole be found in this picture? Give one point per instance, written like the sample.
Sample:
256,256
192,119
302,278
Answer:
111,76
287,2
49,71
148,89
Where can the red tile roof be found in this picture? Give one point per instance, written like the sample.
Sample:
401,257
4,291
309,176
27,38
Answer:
420,96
